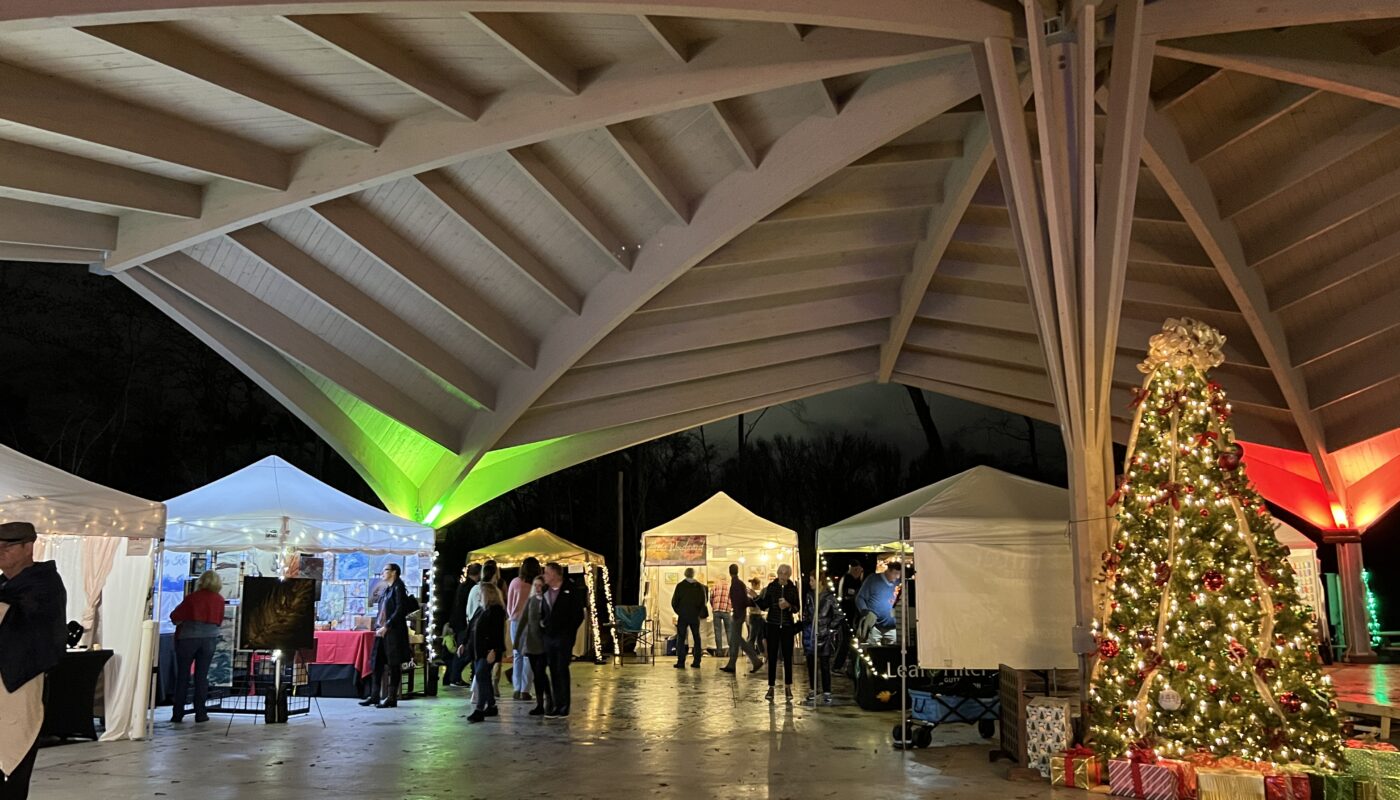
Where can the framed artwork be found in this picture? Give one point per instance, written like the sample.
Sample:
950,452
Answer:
278,614
675,551
332,603
221,665
352,567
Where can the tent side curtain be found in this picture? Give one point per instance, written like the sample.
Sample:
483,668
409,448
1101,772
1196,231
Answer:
62,504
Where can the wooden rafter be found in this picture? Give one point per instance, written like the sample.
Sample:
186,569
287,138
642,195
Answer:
890,102
433,279
1320,59
276,375
1313,282
1178,18
1316,221
355,39
1165,155
51,226
630,90
651,174
958,189
301,345
749,281
734,134
75,111
206,62
574,208
525,44
346,299
48,255
51,173
505,243
665,34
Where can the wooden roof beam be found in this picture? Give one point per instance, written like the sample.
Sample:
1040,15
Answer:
1045,412
651,174
506,245
1177,18
433,279
574,208
583,385
750,281
206,62
627,91
1165,154
958,189
861,203
1326,60
512,34
60,175
42,254
1185,85
666,35
359,308
1355,376
1370,319
1316,221
1312,282
1233,131
539,424
279,331
1356,135
75,111
356,40
283,381
53,226
734,134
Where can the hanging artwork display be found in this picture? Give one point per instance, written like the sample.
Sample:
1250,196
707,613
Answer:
278,614
675,551
221,665
352,567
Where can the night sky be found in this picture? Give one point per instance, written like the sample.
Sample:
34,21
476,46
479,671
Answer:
101,384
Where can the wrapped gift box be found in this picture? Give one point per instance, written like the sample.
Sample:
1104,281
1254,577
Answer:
1287,787
1229,784
1331,786
1162,780
1049,730
1379,765
1077,768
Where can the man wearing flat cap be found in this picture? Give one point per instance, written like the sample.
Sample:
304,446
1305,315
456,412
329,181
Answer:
32,639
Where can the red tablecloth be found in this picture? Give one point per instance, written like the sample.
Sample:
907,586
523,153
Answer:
345,647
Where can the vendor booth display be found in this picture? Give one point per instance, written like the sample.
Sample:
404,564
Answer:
103,542
271,520
995,578
710,537
547,547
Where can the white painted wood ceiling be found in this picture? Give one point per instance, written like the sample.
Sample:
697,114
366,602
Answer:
439,229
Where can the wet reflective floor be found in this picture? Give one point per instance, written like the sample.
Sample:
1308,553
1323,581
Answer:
636,731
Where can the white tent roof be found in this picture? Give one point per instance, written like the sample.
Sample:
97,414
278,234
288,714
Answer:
982,505
1292,538
727,523
61,504
271,504
539,543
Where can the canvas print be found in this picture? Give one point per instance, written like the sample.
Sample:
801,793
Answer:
174,568
332,603
278,614
675,551
263,563
352,567
304,565
221,665
356,605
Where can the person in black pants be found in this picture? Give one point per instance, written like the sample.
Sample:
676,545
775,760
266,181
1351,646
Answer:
779,601
689,601
391,646
488,646
459,623
822,627
848,589
563,612
532,645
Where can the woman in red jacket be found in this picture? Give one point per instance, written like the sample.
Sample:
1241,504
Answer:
197,620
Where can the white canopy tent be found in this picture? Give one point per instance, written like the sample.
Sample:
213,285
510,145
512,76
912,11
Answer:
993,554
101,540
273,507
1306,568
732,535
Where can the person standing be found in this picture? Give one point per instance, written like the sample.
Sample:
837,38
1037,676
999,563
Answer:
563,613
391,647
458,621
688,601
779,602
197,620
757,627
488,647
532,632
822,620
848,589
490,573
875,605
721,608
517,597
740,602
33,638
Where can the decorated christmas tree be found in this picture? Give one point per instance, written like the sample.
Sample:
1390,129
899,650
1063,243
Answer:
1203,642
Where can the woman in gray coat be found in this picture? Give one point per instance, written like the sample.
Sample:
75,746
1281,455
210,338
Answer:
532,645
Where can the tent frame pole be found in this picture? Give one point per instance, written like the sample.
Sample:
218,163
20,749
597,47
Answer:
903,632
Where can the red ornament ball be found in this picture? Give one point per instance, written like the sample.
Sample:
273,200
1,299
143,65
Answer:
1162,573
1146,638
1228,461
1108,648
1181,666
1205,513
1213,580
1291,702
1237,651
1214,688
1235,698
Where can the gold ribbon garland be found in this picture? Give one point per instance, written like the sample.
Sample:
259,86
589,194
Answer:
1140,712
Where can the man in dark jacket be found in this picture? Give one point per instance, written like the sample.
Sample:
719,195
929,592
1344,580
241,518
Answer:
739,599
459,623
32,639
690,601
848,589
565,607
391,647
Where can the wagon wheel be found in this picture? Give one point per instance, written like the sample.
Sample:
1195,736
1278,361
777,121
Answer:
987,727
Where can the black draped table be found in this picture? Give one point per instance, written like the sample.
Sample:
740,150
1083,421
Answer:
72,694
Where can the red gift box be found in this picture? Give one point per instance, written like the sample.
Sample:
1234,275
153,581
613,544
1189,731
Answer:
1287,787
1146,777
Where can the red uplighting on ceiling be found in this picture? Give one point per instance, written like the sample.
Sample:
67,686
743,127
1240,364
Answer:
1370,471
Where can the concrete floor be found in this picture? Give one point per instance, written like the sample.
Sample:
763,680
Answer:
638,731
